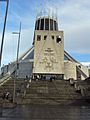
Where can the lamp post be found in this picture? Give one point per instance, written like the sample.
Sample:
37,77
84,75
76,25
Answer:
19,33
17,63
2,41
3,34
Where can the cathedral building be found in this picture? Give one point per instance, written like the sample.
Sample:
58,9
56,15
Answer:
47,57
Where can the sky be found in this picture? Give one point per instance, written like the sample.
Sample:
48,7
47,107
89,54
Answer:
73,19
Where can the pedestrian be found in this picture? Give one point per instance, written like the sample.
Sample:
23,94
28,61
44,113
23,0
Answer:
30,79
7,95
50,79
24,93
28,85
26,77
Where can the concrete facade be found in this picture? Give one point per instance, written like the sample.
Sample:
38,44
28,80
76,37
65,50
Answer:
85,70
69,70
48,54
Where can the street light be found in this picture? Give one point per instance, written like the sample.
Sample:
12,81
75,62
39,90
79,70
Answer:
2,41
17,63
19,33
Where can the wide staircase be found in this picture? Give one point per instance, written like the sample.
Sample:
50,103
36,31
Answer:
40,92
52,93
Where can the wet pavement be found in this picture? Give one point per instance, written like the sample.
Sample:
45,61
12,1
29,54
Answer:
47,112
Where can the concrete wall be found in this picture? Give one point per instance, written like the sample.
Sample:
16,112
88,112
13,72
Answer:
25,68
69,70
4,69
85,70
48,54
7,68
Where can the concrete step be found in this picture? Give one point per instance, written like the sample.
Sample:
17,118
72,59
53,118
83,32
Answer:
44,92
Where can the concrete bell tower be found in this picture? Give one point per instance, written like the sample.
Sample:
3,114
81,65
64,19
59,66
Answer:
48,47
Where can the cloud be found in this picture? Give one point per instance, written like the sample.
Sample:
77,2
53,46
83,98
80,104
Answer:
10,45
73,18
77,39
